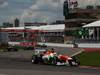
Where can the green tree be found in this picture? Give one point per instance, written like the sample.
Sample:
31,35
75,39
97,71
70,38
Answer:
79,33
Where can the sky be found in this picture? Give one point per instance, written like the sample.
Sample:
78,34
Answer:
35,10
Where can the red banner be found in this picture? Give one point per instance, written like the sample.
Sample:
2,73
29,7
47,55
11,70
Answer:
28,43
18,30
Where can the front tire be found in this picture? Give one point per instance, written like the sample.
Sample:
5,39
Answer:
54,61
73,63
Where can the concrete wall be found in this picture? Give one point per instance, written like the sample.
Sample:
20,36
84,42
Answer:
89,45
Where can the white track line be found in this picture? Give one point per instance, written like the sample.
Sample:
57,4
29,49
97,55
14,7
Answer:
77,53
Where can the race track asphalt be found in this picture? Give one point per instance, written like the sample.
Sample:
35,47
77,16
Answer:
16,66
19,63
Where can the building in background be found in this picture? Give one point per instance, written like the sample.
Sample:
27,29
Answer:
16,22
93,35
58,22
76,17
7,24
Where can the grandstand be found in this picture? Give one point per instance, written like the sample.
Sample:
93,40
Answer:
46,33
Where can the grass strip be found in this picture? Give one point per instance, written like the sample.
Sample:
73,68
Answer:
89,58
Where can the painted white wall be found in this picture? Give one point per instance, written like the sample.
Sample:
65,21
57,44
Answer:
89,45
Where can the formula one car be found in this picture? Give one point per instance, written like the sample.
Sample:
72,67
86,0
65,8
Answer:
47,57
11,48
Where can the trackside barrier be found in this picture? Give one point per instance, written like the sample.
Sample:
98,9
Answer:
58,45
89,45
48,44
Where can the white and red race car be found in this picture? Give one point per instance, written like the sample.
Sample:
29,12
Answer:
51,57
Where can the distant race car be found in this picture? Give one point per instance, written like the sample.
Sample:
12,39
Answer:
12,49
44,56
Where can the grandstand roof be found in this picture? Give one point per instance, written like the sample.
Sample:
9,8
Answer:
47,28
93,24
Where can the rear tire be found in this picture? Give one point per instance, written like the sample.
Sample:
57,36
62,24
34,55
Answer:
34,59
45,61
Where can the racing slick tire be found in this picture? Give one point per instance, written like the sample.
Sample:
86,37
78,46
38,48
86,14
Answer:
34,59
45,61
51,61
77,63
54,61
